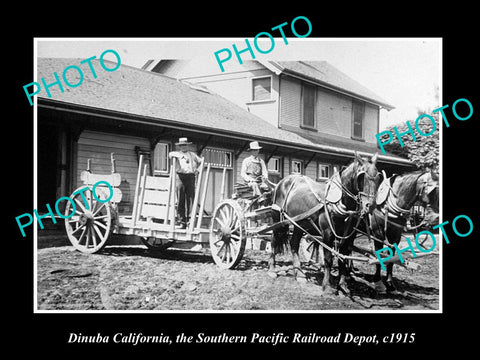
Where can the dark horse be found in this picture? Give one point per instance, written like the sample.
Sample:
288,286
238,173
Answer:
296,194
395,198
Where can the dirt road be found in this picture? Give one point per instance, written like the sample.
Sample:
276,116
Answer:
134,278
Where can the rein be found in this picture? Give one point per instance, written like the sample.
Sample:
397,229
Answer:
391,210
339,208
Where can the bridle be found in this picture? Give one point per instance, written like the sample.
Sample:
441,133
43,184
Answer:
391,205
339,209
363,193
391,210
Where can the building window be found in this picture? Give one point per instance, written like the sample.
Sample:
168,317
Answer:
308,106
274,165
323,171
161,161
261,88
218,158
357,118
297,167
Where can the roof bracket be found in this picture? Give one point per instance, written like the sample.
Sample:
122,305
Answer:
245,145
267,159
310,160
155,139
204,145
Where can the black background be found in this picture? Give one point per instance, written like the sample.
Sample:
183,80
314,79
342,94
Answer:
47,334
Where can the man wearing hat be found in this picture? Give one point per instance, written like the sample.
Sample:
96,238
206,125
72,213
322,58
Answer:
186,168
254,171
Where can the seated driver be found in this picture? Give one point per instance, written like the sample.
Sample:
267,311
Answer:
254,171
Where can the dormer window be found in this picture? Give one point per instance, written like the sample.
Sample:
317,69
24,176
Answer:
308,106
261,88
358,113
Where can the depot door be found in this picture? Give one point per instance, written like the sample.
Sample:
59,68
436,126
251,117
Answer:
47,164
219,159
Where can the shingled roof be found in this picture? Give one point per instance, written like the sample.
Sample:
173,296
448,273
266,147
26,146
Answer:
164,100
325,74
138,92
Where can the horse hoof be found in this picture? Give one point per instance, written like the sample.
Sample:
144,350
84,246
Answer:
344,289
380,288
301,279
272,274
391,288
328,290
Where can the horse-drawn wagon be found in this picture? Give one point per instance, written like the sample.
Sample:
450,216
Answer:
325,215
153,218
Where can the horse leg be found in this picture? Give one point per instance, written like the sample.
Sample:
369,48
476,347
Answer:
271,260
328,262
377,277
390,284
344,249
377,280
294,246
394,235
278,240
327,287
391,288
342,266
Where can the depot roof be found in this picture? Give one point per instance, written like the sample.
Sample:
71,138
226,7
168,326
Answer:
326,75
160,99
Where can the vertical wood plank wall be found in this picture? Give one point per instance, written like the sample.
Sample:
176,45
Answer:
98,146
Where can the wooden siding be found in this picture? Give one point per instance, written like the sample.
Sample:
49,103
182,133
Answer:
372,117
98,146
290,92
310,170
334,113
237,87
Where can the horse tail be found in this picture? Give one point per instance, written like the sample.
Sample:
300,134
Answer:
280,239
280,235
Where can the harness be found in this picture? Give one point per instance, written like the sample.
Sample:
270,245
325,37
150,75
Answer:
333,207
336,206
391,210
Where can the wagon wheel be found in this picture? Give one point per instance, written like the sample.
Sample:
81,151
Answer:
311,251
156,244
90,226
227,234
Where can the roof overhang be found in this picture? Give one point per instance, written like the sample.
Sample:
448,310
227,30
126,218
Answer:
278,69
146,120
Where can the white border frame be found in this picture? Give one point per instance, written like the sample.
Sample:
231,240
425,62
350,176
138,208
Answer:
290,40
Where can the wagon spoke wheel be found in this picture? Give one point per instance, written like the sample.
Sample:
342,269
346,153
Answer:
227,234
89,227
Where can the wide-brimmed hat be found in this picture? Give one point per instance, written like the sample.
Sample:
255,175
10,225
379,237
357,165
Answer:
254,146
183,141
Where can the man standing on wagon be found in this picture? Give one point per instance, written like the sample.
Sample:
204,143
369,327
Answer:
254,171
186,169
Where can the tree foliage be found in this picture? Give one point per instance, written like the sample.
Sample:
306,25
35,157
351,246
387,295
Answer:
425,151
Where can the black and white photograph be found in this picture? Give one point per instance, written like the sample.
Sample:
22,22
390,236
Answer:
189,183
241,183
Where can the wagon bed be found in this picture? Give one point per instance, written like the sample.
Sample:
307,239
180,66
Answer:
153,217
